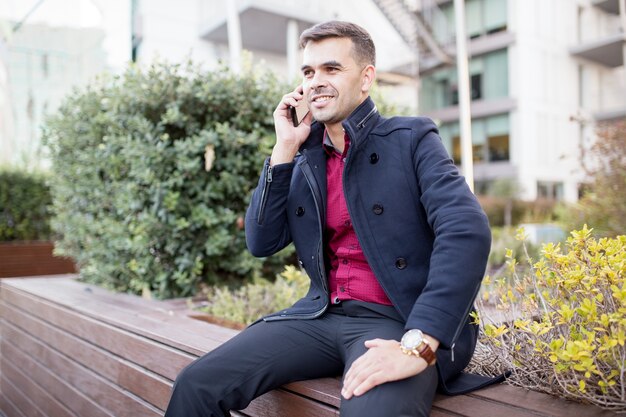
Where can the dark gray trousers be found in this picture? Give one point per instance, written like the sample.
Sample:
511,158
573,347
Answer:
270,354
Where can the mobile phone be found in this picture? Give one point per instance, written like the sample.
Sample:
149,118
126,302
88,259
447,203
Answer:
299,112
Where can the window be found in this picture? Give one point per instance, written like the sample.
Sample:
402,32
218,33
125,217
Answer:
476,86
483,17
490,139
498,148
489,78
550,190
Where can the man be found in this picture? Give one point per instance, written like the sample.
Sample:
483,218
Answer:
393,240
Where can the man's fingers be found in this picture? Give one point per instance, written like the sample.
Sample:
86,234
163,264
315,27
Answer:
370,382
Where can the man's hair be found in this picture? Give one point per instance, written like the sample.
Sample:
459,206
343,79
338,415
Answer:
363,46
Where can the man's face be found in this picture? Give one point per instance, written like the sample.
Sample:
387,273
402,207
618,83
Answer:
334,84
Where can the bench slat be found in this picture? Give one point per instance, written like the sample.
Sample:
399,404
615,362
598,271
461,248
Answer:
279,403
7,406
325,390
144,352
57,387
539,402
119,402
148,316
48,405
146,385
19,399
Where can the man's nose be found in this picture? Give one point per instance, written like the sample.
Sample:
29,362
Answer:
318,80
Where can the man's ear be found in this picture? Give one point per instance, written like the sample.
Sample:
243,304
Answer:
368,77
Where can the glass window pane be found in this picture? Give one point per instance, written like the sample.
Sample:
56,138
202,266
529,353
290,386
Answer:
498,125
474,18
495,13
496,79
498,148
479,134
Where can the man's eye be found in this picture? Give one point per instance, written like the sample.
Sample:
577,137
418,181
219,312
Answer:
307,73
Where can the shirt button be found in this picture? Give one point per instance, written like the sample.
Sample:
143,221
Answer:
342,289
377,209
345,262
300,211
374,158
401,263
346,223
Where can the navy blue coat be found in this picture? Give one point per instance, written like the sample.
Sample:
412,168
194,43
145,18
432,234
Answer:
422,230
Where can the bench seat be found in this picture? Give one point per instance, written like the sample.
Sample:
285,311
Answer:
73,349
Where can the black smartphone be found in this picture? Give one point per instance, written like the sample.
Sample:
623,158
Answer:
299,112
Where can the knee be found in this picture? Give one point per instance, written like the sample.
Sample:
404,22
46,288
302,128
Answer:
193,393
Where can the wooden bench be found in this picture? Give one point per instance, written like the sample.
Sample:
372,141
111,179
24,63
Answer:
71,349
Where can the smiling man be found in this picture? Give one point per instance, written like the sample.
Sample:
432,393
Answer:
393,240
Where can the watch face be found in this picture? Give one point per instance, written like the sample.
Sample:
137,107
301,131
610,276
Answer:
412,339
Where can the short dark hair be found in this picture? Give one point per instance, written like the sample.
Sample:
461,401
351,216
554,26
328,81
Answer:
363,46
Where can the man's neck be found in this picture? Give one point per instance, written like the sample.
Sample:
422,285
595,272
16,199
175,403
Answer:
337,136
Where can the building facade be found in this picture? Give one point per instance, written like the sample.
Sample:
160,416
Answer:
542,74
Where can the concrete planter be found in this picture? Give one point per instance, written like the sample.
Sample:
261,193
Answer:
19,259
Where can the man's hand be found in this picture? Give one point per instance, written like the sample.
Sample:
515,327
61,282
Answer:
289,138
383,362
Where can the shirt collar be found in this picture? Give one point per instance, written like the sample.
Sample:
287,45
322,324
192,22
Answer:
329,148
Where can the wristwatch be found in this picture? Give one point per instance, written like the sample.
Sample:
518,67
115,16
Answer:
414,343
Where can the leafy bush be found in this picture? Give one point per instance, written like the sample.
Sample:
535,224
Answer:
24,202
561,327
152,176
504,239
604,203
251,301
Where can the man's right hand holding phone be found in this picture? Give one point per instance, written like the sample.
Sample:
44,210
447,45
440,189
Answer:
289,138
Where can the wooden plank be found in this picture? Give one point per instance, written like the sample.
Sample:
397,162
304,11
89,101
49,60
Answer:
325,390
540,402
469,406
7,407
279,403
111,397
145,353
193,336
48,405
73,399
140,382
19,399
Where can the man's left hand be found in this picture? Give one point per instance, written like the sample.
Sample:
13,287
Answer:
383,362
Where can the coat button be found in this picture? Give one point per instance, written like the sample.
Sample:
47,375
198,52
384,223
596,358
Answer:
377,209
300,211
373,158
401,263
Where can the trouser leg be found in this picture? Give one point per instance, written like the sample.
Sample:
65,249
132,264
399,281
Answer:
259,359
411,397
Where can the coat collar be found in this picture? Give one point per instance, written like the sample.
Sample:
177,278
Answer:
357,126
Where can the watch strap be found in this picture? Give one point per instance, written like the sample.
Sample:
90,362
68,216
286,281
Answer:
425,352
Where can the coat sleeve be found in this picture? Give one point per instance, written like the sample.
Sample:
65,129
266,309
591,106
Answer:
267,230
462,241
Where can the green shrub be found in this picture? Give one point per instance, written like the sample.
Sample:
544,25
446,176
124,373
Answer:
152,176
262,297
561,326
24,202
504,239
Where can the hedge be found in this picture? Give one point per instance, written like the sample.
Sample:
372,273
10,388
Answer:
24,202
152,176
